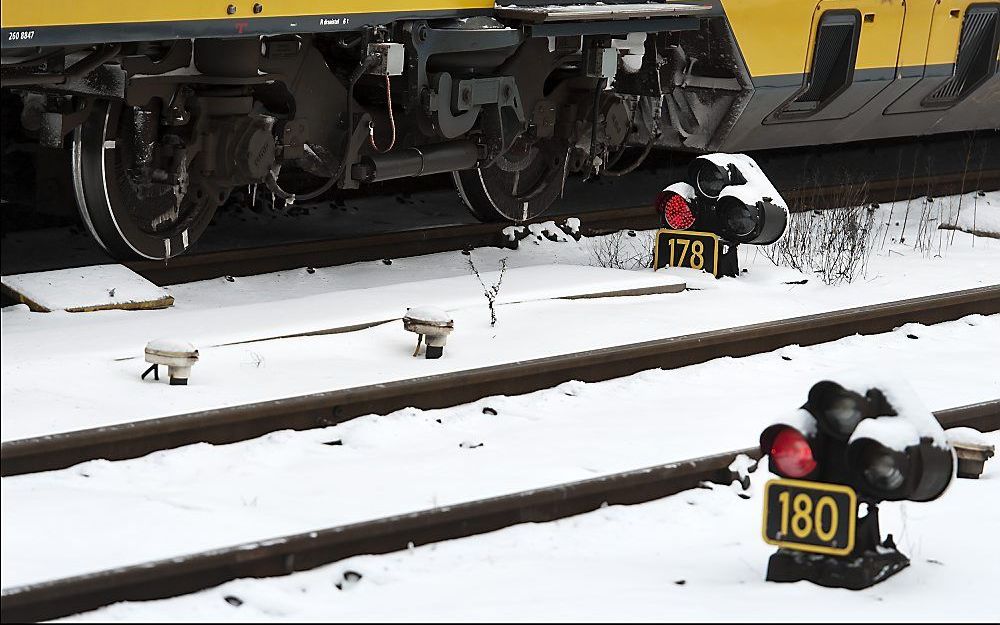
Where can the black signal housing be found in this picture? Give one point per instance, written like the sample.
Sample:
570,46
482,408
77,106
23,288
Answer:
860,442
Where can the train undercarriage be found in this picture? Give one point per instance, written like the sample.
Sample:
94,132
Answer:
510,101
159,134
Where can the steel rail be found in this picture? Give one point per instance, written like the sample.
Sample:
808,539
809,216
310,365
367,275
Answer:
299,552
265,259
402,244
236,423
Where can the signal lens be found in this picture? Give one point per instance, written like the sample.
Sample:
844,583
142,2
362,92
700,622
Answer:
883,470
675,210
838,410
791,454
739,221
843,414
711,179
884,474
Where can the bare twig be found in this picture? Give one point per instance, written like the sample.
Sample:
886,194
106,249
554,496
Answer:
491,292
895,193
906,213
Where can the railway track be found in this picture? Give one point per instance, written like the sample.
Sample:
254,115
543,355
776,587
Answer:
266,259
235,423
298,552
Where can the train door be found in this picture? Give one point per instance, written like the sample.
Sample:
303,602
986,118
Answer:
947,54
852,57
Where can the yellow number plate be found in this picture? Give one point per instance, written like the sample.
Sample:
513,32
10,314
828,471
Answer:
810,516
684,248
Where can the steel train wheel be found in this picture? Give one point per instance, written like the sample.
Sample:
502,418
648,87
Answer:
519,186
131,220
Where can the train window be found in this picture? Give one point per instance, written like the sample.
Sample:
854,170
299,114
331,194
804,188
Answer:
977,56
833,60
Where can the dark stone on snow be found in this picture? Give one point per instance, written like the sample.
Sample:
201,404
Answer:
349,579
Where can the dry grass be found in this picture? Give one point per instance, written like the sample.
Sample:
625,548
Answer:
834,244
626,249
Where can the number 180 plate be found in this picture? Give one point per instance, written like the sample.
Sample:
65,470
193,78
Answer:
810,516
686,248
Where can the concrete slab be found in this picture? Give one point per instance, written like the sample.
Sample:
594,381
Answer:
86,289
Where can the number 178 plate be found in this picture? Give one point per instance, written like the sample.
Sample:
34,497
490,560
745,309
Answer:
686,248
810,516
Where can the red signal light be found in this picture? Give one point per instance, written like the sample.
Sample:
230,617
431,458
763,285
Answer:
675,210
791,454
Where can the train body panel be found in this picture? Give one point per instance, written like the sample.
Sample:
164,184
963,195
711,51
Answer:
897,57
773,35
71,22
25,13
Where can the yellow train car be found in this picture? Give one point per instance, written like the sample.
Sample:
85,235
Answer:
167,107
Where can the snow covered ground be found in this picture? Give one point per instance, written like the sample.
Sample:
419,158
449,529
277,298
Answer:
64,372
696,556
981,216
203,496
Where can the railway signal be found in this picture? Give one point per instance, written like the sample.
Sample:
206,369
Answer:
726,200
843,453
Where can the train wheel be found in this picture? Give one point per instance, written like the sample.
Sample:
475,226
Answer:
132,220
518,186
